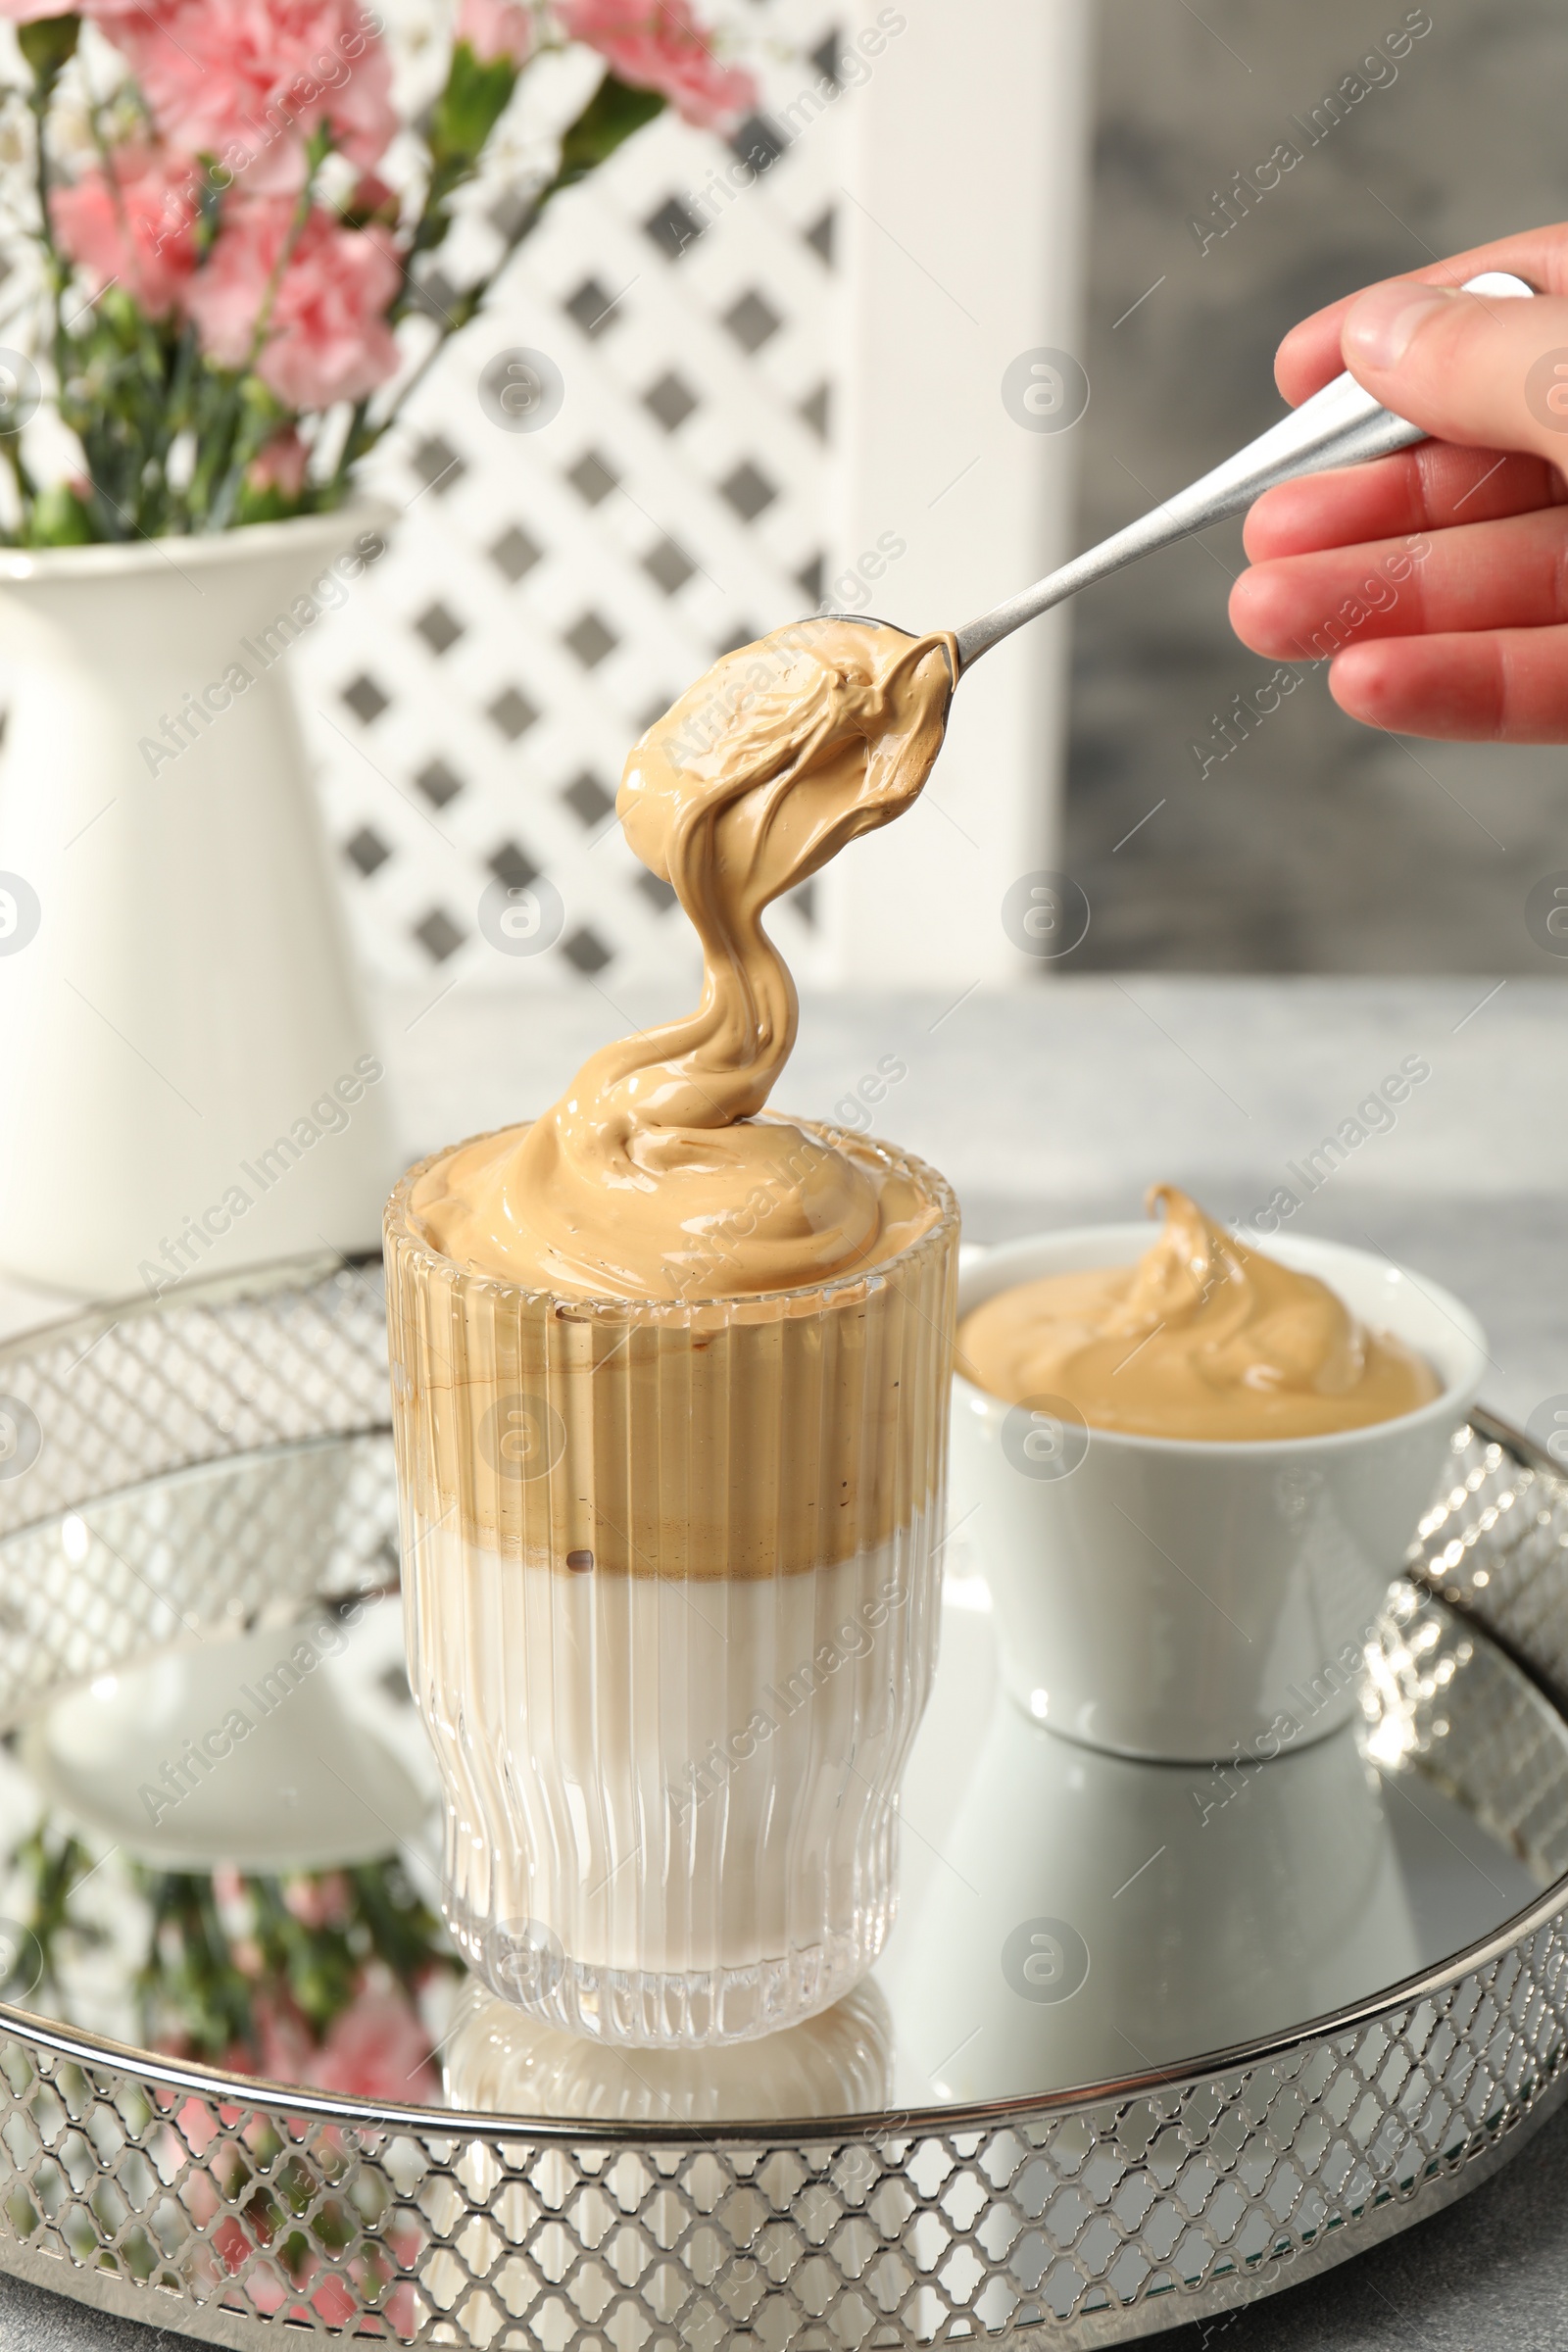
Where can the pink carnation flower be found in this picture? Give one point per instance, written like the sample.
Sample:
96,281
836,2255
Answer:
327,338
659,45
316,1901
377,2049
287,2052
34,11
280,464
496,29
371,198
134,231
247,81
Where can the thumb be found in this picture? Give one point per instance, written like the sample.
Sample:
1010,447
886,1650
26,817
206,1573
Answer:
1486,370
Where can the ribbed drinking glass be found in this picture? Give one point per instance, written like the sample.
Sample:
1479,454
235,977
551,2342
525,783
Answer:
670,1585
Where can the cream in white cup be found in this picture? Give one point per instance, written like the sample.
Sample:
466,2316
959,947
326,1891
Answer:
1179,1598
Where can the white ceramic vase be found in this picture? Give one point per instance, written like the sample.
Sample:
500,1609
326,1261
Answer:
187,1075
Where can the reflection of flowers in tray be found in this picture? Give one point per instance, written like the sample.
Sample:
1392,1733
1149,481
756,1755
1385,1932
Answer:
312,1978
324,1979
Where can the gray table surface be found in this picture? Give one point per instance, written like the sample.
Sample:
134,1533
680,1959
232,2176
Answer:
1059,1104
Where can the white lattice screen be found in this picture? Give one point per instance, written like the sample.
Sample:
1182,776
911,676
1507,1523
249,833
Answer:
546,593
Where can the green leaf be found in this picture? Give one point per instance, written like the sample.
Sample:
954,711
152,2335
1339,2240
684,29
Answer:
475,98
614,112
47,44
264,505
59,518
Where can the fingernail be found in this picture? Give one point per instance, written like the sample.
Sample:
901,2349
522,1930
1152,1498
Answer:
1380,327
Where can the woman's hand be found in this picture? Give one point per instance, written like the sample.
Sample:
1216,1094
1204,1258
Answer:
1472,641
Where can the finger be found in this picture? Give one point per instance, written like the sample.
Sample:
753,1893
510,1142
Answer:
1487,372
1507,574
1420,489
1311,353
1508,686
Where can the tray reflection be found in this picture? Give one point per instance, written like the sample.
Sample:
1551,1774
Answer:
498,2062
229,1850
1087,1918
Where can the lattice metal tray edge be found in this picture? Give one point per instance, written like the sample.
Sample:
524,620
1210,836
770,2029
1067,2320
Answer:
168,2193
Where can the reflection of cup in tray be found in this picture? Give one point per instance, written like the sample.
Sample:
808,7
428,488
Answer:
499,2061
1175,1598
1102,1915
273,1750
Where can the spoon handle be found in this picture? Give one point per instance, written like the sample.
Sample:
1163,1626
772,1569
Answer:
1341,425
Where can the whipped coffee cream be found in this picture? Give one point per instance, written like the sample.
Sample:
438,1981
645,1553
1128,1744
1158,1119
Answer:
1202,1337
657,1176
655,1180
742,1437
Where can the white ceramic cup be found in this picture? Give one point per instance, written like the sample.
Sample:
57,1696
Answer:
1178,1599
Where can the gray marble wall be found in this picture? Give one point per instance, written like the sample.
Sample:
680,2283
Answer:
1317,846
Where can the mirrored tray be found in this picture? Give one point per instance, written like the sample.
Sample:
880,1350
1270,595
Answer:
1147,2041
